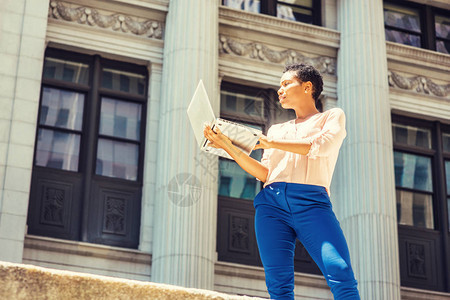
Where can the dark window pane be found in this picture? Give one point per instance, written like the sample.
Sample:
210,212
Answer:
402,17
411,135
107,81
120,119
447,176
235,182
402,38
232,102
442,25
294,13
57,150
62,109
412,171
117,159
68,74
66,70
446,141
448,212
247,5
123,81
443,46
414,209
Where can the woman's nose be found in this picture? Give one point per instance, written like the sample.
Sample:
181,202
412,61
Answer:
280,92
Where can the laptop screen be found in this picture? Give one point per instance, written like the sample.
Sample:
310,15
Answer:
200,112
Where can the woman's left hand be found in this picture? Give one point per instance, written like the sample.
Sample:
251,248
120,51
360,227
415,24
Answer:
264,143
216,138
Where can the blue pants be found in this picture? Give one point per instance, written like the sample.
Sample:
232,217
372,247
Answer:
286,211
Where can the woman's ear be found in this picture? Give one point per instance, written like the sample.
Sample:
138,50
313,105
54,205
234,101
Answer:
308,87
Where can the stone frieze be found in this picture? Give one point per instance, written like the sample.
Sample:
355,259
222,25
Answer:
261,52
418,84
115,21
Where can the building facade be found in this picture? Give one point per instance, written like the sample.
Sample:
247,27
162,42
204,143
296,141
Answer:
100,171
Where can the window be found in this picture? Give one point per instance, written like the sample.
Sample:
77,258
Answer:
417,25
296,10
247,5
233,181
413,177
446,154
87,173
422,169
442,27
402,25
306,11
236,241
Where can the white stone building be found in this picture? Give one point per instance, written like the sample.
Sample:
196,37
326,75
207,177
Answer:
100,171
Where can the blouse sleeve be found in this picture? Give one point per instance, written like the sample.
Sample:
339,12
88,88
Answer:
266,153
330,138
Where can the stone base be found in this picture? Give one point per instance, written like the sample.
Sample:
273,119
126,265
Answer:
19,281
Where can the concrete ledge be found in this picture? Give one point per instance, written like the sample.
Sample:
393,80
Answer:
19,281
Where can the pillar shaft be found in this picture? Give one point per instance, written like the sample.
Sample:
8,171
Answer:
186,196
365,197
23,25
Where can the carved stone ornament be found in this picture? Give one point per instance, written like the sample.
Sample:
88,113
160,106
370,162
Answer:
418,84
261,52
117,22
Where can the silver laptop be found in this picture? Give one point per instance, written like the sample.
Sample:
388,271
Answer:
200,112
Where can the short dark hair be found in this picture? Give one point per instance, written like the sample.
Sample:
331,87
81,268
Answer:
304,73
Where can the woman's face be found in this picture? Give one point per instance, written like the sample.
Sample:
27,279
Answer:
291,90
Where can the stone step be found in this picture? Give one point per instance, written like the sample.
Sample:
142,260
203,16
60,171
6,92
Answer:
20,281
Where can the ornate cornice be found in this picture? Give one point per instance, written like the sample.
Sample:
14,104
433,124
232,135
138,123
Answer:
261,52
418,55
279,27
418,84
112,21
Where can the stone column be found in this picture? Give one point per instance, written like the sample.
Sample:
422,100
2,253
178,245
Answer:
23,25
365,186
150,159
185,213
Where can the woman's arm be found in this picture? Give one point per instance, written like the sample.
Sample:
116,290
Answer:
297,146
247,163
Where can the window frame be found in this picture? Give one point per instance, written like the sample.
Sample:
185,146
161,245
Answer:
67,86
86,208
444,128
415,150
439,237
243,117
269,7
422,13
315,10
126,97
441,12
427,15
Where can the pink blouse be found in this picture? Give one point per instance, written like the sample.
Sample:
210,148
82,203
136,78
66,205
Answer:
326,131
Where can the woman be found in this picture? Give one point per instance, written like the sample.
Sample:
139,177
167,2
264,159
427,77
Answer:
296,168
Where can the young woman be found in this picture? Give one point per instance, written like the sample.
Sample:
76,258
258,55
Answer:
296,168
